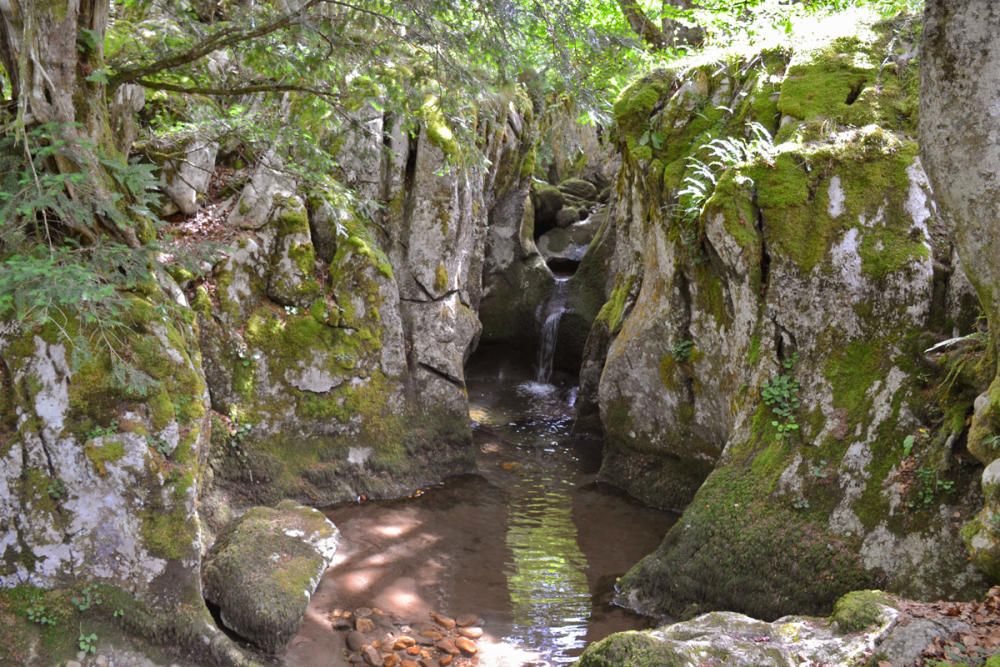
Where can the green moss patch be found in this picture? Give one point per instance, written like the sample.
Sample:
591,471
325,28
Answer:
859,610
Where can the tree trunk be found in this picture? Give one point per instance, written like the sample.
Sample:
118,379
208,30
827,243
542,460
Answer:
960,145
642,25
39,48
50,49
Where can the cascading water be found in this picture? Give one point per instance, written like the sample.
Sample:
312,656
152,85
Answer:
551,314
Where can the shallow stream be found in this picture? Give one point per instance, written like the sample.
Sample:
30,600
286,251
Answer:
531,544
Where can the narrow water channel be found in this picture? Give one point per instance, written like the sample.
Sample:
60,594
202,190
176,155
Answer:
531,544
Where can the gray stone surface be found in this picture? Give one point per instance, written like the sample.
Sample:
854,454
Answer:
960,143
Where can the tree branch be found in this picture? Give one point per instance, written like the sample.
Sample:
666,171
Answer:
224,37
213,91
641,25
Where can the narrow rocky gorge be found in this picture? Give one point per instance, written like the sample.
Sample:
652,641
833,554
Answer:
756,298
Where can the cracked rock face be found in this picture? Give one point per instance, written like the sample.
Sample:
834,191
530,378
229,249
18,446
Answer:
328,333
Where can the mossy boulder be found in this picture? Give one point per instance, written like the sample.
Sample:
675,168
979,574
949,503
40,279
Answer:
547,201
567,216
982,533
859,610
264,567
579,188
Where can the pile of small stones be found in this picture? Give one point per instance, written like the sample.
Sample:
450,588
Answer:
375,638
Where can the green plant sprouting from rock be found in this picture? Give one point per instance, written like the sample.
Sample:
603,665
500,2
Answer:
781,394
723,153
929,485
681,350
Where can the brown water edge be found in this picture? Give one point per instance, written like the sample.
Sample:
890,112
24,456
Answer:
532,544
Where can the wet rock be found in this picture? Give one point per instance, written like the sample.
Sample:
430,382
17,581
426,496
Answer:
363,624
466,645
355,640
466,620
390,660
415,650
445,660
429,636
471,632
411,663
372,656
448,646
445,622
264,567
363,612
403,642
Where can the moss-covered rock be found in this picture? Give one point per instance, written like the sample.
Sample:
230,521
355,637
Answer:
579,188
263,569
771,334
877,627
859,610
102,452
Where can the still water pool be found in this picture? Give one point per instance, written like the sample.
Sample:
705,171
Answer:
532,544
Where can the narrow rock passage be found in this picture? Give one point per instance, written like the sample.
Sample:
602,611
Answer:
531,544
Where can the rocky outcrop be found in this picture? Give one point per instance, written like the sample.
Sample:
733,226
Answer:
102,453
322,359
764,335
101,459
264,567
187,176
335,334
866,627
961,146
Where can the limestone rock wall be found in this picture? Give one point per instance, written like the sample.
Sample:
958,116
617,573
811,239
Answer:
336,337
764,338
102,458
961,143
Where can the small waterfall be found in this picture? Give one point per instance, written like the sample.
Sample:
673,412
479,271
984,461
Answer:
551,314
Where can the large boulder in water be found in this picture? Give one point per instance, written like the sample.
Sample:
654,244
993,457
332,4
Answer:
265,566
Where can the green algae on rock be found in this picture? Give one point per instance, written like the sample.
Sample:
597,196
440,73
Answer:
816,254
868,626
264,567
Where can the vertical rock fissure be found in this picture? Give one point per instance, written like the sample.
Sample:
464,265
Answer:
684,289
765,255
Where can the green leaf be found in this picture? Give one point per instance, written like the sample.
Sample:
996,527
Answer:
99,76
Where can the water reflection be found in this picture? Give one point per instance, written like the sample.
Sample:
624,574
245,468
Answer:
547,576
